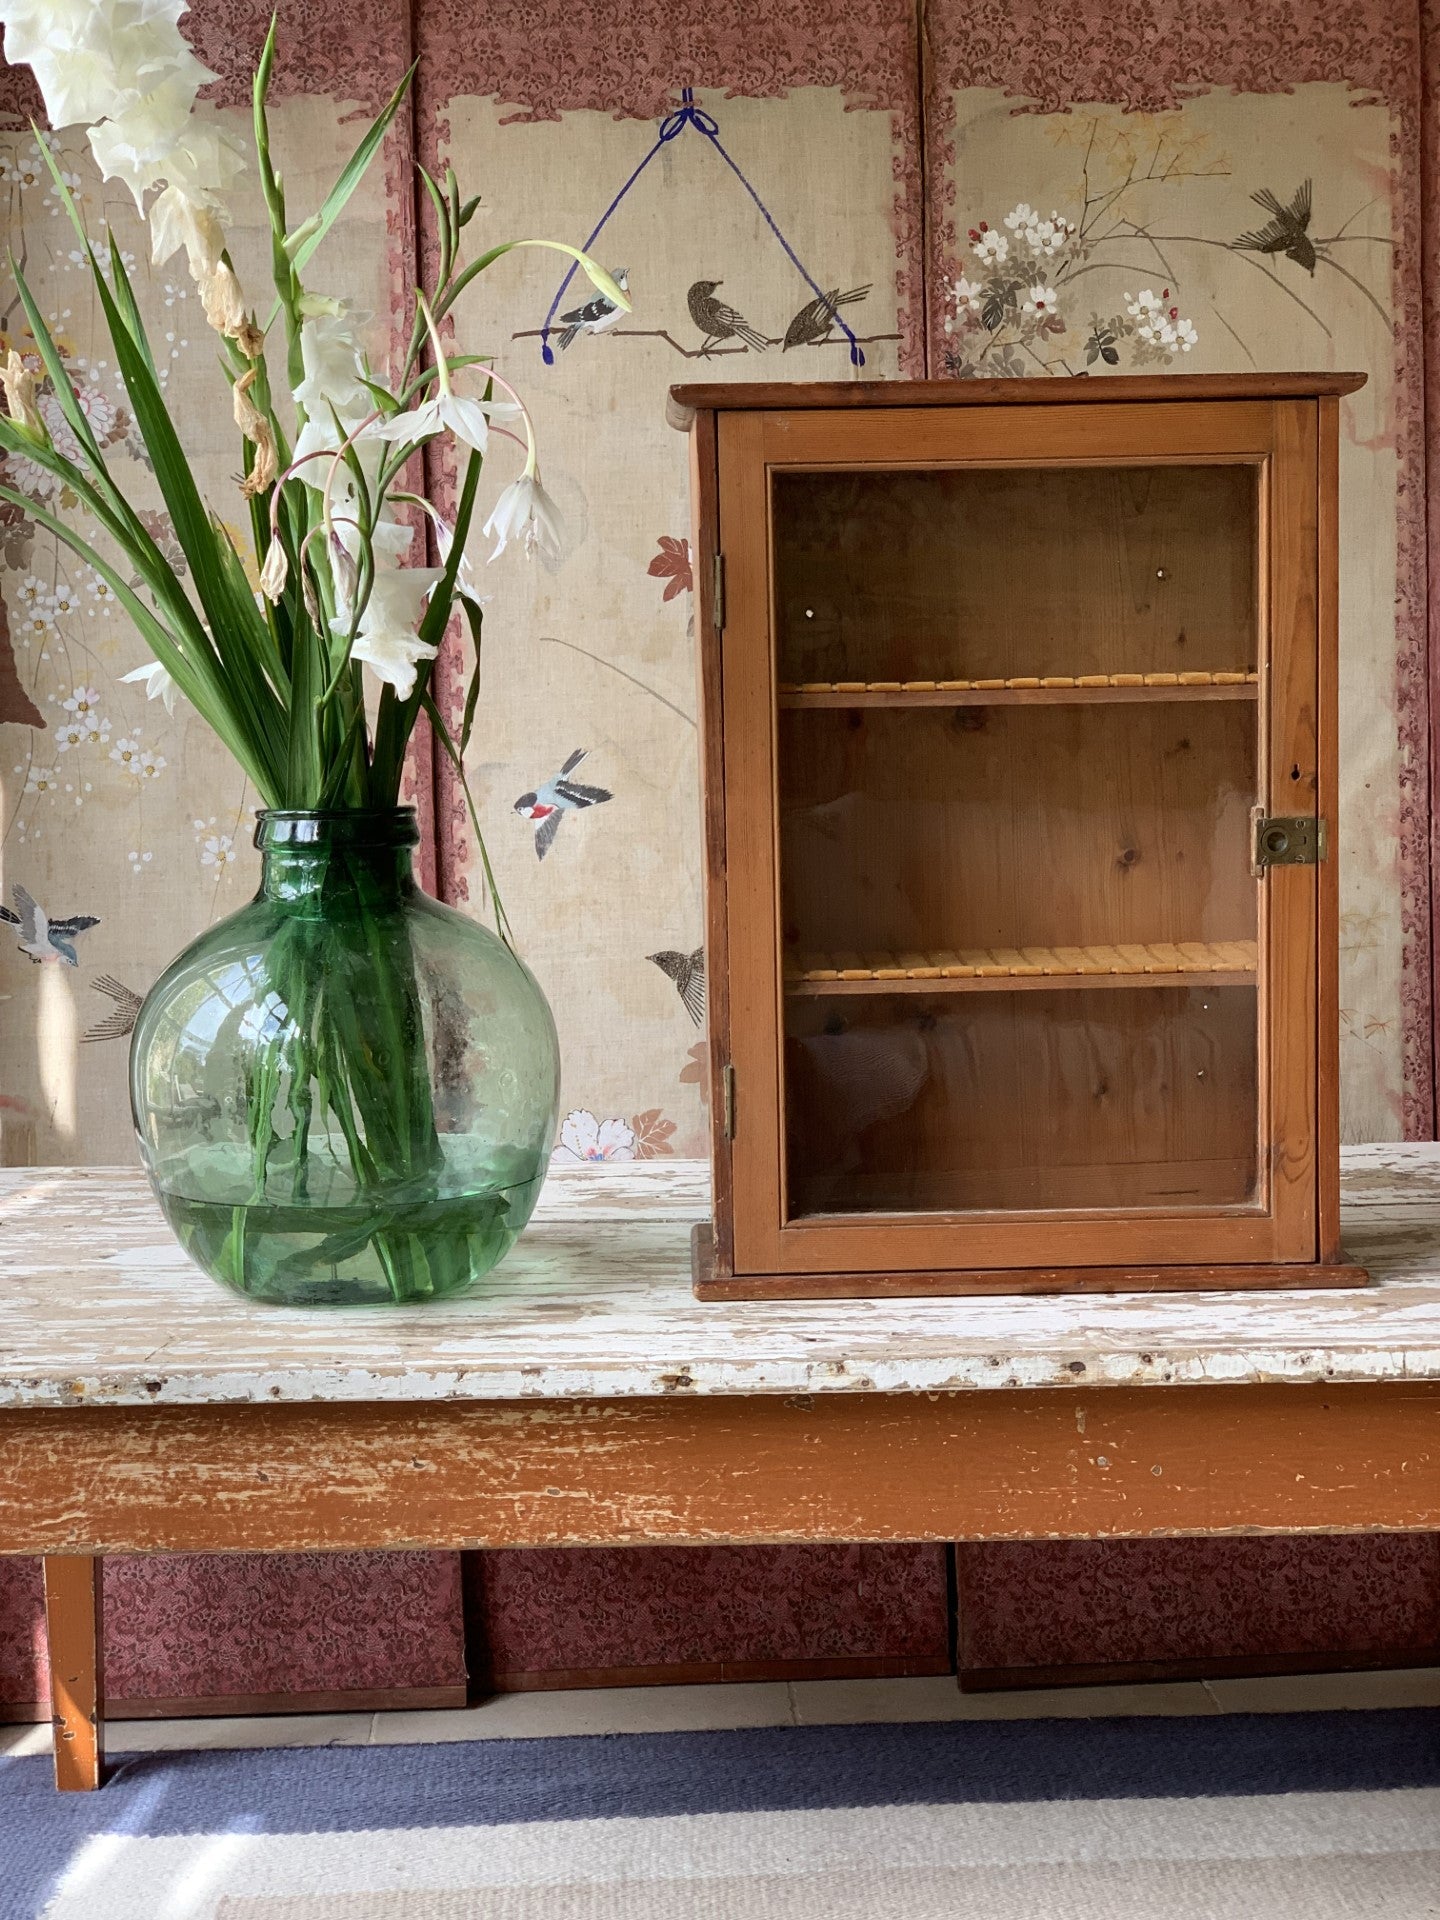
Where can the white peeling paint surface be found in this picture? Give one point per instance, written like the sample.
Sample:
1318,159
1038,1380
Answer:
99,1306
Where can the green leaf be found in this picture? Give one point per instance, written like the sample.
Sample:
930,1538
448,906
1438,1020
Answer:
75,416
474,617
62,186
452,753
303,774
442,226
353,172
126,301
238,631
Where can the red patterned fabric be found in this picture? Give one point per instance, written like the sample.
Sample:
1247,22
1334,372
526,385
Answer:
544,1611
22,1633
1119,1602
202,1625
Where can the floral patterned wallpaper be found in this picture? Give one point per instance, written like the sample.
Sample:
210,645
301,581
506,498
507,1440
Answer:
1068,233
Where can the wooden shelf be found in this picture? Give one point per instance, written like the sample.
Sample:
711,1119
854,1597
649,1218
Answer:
1185,963
1055,690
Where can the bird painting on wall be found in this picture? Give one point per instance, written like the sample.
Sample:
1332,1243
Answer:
597,315
122,1017
687,970
811,325
548,805
719,322
1287,232
46,941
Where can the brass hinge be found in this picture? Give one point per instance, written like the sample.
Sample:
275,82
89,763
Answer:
1287,840
717,598
727,1100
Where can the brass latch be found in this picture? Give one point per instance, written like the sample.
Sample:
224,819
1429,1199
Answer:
727,1099
717,596
1287,840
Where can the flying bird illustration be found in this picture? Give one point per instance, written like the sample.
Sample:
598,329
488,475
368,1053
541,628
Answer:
813,322
114,1025
687,970
548,805
44,939
597,315
1287,232
717,321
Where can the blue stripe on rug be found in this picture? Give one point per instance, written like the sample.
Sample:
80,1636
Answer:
493,1782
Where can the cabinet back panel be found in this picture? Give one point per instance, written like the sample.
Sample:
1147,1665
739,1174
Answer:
927,828
1066,1100
977,573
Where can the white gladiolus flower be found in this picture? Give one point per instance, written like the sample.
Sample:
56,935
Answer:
94,61
443,412
162,138
334,369
133,146
389,541
386,640
157,681
525,510
319,436
389,537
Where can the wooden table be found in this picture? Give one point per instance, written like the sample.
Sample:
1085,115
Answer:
587,1399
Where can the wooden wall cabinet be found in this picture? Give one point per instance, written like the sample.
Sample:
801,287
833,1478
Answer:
1019,723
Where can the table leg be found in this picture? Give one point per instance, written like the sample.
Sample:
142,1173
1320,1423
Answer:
77,1700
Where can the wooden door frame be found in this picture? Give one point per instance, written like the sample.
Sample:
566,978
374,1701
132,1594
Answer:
1282,437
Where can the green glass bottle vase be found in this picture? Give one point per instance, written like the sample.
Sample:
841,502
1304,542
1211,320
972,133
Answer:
345,1092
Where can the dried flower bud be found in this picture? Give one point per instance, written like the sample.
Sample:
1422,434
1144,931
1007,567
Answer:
19,385
256,429
248,416
249,339
275,571
343,571
223,301
310,596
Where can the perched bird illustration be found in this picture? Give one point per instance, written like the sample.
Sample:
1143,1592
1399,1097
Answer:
719,322
548,805
687,970
813,322
41,937
115,1025
597,315
1288,232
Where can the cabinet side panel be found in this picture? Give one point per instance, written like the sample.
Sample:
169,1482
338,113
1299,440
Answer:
750,854
1327,806
1293,785
704,547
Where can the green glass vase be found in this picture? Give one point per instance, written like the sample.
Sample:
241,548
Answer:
345,1092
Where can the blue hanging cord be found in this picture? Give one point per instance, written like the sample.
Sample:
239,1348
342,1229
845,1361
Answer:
674,124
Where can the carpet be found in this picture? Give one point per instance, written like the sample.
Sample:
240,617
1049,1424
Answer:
1286,1816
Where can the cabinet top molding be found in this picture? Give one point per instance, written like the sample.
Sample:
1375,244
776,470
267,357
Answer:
1050,390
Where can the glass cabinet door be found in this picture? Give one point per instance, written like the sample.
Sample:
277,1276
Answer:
1018,750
